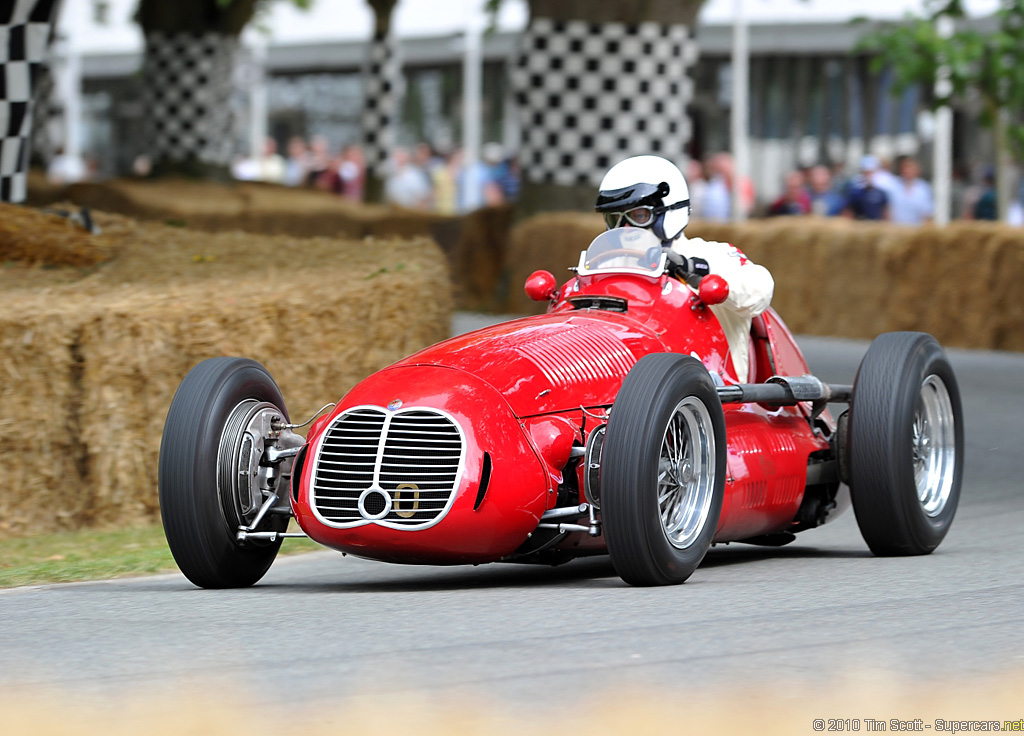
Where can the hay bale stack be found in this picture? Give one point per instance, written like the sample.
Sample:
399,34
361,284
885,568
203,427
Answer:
39,238
42,191
162,199
838,277
857,280
93,357
252,207
831,276
478,257
1007,313
317,331
551,241
475,244
40,373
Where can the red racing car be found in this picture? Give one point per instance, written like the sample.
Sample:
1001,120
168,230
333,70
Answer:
614,424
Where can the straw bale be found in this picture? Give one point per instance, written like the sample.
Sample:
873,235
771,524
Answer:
252,207
478,257
43,192
550,241
929,288
318,331
1004,287
841,278
474,243
39,238
93,356
40,373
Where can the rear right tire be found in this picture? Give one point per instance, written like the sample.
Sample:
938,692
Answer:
906,444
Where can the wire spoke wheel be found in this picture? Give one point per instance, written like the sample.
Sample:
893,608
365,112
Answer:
663,470
686,486
934,446
905,444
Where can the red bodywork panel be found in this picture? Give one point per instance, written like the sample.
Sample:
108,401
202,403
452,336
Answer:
526,391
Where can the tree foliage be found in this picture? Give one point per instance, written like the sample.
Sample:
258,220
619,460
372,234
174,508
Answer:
229,17
983,62
608,11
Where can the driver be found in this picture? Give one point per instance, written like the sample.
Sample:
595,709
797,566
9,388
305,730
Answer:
650,192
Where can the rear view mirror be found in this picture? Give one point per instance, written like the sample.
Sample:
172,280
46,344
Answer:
540,286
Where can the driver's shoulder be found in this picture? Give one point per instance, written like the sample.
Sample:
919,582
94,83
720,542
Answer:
685,244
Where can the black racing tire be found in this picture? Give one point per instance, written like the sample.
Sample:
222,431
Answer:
199,521
663,393
906,444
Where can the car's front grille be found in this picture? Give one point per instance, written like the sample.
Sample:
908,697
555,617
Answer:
398,469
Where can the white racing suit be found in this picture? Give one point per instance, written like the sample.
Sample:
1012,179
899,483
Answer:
750,292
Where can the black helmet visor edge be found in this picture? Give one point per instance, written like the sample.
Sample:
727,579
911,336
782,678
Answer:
626,198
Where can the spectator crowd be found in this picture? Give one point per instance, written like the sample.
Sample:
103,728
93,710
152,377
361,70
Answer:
420,177
877,191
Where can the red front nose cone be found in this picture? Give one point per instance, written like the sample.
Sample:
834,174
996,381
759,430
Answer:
713,289
540,286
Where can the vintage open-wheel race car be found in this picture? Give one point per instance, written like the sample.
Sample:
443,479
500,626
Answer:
613,424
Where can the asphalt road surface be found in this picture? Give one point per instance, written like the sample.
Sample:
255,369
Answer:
323,626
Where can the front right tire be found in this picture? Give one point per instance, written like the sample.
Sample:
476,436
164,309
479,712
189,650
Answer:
663,470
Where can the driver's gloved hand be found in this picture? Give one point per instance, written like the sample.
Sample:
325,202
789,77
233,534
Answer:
678,265
688,269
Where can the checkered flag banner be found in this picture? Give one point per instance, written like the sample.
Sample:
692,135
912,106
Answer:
591,94
25,32
188,85
381,94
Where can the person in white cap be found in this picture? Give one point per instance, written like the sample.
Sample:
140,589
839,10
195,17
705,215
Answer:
866,199
651,192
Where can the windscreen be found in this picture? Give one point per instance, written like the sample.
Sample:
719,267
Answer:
624,250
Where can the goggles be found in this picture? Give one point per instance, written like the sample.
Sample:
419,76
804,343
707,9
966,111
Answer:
642,216
637,217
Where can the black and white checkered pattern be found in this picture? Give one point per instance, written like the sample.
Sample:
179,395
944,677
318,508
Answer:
188,81
382,91
591,94
25,31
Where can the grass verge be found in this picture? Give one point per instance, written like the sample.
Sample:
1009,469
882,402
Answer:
91,554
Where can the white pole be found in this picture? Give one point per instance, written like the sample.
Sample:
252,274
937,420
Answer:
70,84
257,95
942,153
472,76
740,96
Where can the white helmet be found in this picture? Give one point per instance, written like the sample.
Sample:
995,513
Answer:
646,191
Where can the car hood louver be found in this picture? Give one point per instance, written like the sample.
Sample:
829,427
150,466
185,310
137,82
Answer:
545,364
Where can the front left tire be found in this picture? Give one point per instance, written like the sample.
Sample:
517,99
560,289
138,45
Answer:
211,432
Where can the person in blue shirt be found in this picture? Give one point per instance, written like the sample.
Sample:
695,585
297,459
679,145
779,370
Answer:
866,201
911,200
986,208
825,201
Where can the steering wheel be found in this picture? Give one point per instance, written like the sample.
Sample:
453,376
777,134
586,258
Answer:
614,253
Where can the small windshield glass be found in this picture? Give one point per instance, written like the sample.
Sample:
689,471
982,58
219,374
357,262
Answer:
624,249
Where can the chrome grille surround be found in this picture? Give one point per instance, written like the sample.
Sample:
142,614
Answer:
410,460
